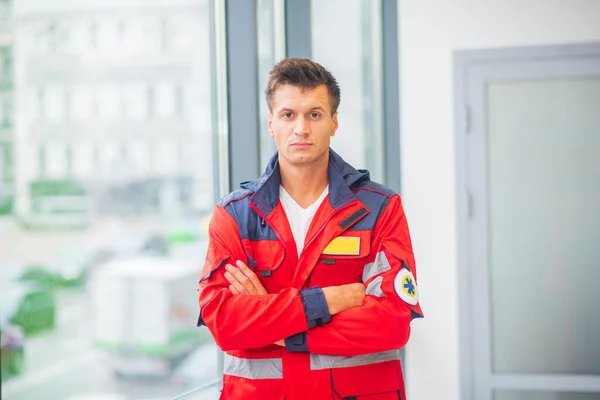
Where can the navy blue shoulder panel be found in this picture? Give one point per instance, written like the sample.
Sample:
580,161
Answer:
250,224
234,196
377,187
375,197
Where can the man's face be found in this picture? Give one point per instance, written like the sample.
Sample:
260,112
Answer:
302,124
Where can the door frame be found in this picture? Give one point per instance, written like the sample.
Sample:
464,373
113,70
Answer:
472,68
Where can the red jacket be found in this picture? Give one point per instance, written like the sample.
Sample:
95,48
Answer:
359,234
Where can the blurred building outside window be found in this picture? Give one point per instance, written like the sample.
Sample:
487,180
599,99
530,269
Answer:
107,160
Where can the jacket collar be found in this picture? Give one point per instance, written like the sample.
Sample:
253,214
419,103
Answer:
341,177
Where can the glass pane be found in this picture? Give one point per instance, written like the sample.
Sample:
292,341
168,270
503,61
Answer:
352,52
544,194
271,49
112,165
514,395
6,115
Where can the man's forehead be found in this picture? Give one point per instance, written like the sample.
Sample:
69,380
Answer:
313,97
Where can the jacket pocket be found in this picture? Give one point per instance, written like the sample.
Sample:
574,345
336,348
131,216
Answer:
337,266
215,260
381,381
264,256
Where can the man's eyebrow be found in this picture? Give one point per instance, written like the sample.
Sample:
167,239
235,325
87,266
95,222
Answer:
286,109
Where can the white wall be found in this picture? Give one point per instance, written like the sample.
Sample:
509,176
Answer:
430,31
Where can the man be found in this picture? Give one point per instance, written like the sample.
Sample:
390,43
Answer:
309,284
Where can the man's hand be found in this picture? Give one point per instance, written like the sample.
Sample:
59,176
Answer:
340,298
243,280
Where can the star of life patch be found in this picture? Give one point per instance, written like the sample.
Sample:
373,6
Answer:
405,286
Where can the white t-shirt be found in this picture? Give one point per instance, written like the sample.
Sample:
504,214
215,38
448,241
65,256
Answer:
299,218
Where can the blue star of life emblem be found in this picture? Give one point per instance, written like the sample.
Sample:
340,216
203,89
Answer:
409,286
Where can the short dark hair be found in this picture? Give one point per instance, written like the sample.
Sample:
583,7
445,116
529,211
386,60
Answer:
305,74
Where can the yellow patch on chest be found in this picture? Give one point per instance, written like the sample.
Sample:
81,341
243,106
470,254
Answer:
343,246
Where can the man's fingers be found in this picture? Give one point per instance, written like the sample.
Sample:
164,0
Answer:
233,290
241,289
252,277
244,280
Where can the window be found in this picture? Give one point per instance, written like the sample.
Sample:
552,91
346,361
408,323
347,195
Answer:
107,101
165,101
3,169
54,103
41,114
6,113
108,183
67,105
123,149
69,161
83,160
55,166
352,52
150,101
163,35
51,38
5,64
41,161
179,101
93,33
271,49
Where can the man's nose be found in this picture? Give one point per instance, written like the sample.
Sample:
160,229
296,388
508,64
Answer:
302,127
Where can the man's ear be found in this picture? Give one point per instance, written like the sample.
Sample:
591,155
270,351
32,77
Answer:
270,123
335,123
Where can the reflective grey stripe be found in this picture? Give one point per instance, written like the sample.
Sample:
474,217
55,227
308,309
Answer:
256,368
380,265
374,288
318,361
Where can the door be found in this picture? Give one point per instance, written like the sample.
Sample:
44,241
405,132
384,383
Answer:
531,177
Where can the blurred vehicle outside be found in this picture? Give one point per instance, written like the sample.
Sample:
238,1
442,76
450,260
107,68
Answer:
29,307
12,271
12,349
71,267
68,270
74,263
144,311
6,202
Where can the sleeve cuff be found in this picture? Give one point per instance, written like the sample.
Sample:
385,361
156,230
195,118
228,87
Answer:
296,343
315,307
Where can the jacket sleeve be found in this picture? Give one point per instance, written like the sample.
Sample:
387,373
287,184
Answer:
383,321
242,321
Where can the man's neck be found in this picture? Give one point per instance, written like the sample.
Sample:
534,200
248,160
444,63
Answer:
306,183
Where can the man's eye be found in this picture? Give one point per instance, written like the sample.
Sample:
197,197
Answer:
287,115
315,115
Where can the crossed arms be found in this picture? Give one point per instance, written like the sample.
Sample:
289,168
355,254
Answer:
241,314
243,281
